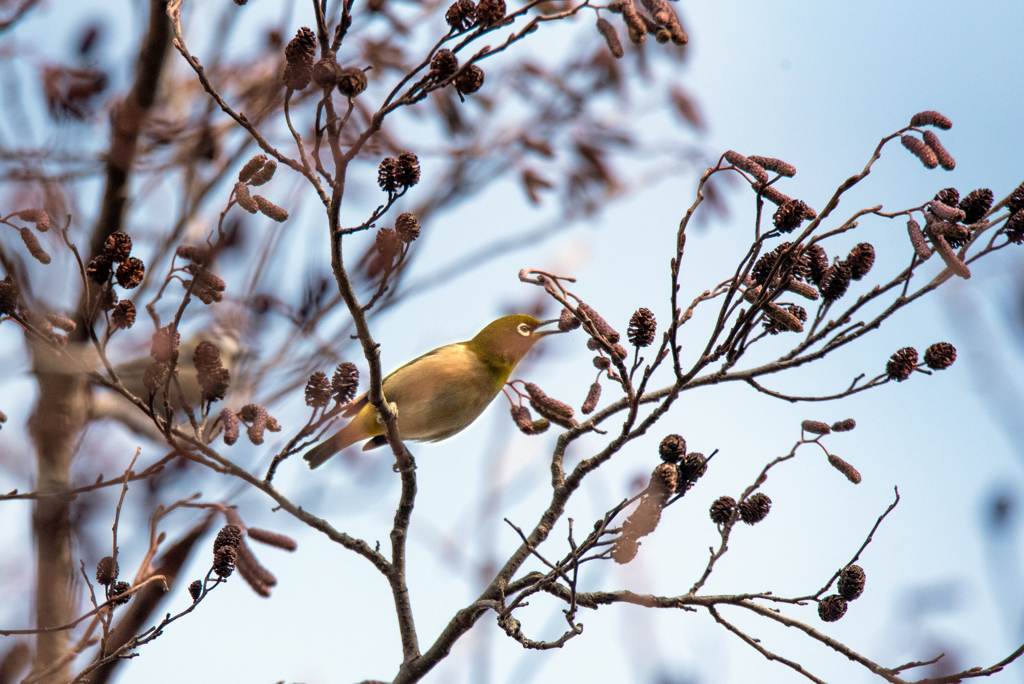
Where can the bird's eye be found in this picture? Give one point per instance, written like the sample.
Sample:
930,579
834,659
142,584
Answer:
523,330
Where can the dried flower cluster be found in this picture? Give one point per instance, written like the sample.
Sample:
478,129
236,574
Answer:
398,174
213,376
225,550
344,382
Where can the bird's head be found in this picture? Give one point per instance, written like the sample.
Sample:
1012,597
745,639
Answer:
508,339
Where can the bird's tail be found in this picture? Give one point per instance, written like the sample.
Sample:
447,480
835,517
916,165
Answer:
350,434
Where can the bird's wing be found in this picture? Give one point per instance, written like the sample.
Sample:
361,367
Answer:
357,404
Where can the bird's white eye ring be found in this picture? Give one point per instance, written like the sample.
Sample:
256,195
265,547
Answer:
523,330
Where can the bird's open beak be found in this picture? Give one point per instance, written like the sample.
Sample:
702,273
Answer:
542,333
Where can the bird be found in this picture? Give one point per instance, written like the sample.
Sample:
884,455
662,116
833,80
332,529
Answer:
442,392
131,372
112,406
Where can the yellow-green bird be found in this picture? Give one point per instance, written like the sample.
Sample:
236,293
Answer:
440,393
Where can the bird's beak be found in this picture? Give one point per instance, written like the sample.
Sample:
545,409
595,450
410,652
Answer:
543,333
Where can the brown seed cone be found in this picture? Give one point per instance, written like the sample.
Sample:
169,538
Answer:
387,174
130,273
443,64
815,427
931,118
408,173
106,570
470,80
946,160
602,363
790,215
976,204
593,396
901,364
269,209
851,582
861,259
318,390
251,167
642,327
836,281
940,356
299,55
230,421
721,510
691,467
224,561
263,175
33,246
118,246
772,164
611,37
461,15
1014,228
920,150
947,212
1015,202
156,376
107,298
566,321
407,227
345,382
327,72
672,448
831,608
352,81
388,244
949,256
766,263
844,425
845,468
213,376
117,589
817,263
164,344
917,239
229,535
10,292
665,477
123,315
948,196
195,590
490,13
755,509
745,163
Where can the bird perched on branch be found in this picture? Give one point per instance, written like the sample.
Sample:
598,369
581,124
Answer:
440,393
